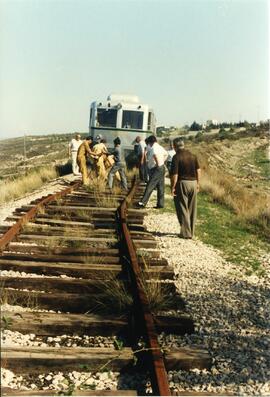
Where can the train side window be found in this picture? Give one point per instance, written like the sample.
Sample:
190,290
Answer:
91,115
107,117
149,123
132,119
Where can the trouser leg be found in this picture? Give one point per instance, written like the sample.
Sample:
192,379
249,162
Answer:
123,177
75,168
100,168
193,206
144,173
161,188
111,175
184,211
84,172
155,176
176,200
141,172
113,171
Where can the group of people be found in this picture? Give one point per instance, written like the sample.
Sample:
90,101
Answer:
106,163
152,158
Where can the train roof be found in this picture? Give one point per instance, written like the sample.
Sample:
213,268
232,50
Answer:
117,99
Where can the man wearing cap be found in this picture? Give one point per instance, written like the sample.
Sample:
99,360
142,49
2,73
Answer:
185,178
83,151
73,147
97,139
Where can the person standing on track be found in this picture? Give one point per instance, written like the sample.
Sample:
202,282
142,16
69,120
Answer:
185,179
83,151
73,147
157,156
119,165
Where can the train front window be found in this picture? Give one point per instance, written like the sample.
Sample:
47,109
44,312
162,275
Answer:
107,117
132,119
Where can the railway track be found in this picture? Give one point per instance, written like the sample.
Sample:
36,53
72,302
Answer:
89,270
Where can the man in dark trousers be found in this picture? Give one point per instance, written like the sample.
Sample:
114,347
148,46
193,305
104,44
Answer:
156,158
185,178
119,165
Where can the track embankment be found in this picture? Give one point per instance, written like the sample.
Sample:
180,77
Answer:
85,297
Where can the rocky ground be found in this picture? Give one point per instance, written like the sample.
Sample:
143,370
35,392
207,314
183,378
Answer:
230,310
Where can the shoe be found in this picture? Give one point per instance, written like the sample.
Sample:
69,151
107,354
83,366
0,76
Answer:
187,238
140,204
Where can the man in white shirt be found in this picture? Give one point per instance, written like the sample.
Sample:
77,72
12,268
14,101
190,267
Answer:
73,147
157,156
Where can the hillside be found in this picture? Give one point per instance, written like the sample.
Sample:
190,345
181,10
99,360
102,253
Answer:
246,159
40,151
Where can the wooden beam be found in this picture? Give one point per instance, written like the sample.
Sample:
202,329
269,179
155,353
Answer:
48,324
39,360
93,271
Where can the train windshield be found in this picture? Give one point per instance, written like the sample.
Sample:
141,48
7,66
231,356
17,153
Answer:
132,119
107,117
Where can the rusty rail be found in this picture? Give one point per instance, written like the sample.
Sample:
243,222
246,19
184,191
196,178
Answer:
159,378
15,229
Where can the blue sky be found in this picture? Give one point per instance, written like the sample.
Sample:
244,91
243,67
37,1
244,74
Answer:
191,60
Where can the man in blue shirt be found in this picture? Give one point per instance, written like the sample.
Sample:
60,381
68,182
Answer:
119,165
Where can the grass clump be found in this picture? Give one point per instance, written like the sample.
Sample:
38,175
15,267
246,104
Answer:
114,293
105,201
158,295
9,296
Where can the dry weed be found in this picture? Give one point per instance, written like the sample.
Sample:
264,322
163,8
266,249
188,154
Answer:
12,189
105,201
247,205
130,173
14,298
158,294
114,293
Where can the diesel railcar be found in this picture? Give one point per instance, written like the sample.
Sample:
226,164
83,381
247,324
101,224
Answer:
124,116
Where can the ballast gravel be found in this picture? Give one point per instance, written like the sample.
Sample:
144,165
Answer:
14,338
69,381
230,311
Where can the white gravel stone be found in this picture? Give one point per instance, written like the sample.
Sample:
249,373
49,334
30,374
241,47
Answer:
229,308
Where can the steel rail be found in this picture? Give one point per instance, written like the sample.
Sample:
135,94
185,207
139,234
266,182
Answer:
12,232
159,377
